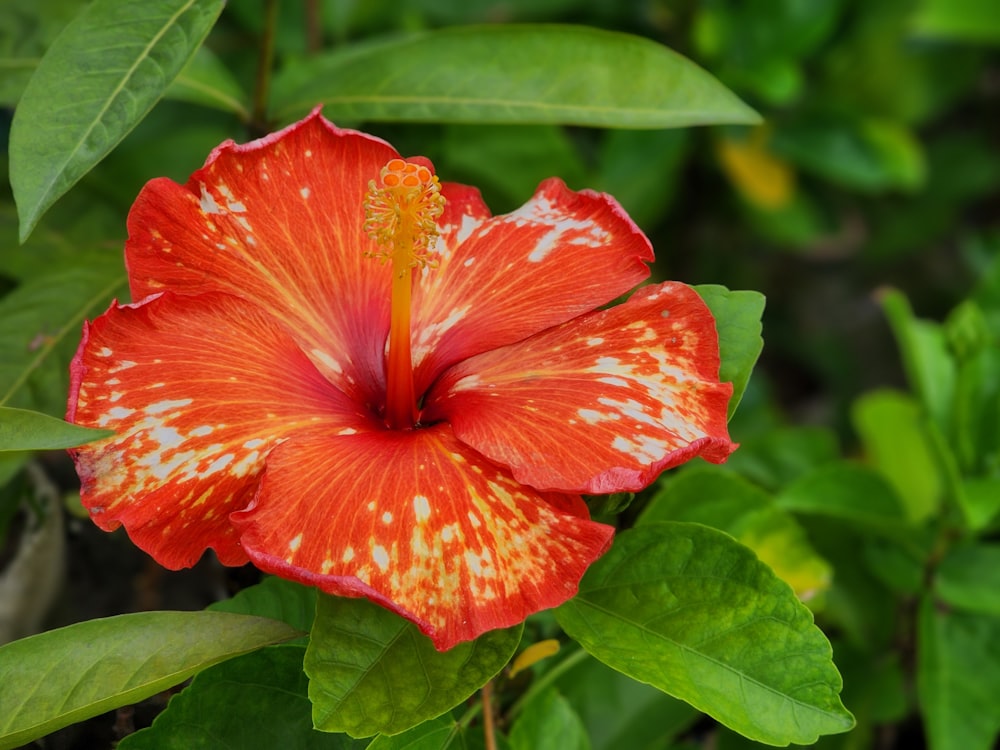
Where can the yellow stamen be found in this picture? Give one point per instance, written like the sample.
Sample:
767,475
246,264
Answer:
401,216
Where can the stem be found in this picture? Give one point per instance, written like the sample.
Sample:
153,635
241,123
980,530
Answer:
258,116
488,728
314,27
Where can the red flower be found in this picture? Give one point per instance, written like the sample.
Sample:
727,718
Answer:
279,397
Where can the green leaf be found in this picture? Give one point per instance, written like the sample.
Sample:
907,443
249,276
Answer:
781,455
206,81
928,363
872,155
442,733
846,490
97,81
275,598
687,609
373,672
894,434
27,28
70,674
530,153
958,678
738,320
715,497
642,170
969,578
620,712
527,74
980,500
40,325
548,720
256,700
962,20
23,430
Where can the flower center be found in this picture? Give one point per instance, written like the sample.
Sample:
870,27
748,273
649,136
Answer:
401,212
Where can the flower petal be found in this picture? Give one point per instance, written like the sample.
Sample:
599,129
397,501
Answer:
420,524
278,222
601,404
502,279
199,389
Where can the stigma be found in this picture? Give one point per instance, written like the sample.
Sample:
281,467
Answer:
401,212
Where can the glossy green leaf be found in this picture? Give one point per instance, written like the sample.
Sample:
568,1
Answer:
275,598
40,324
206,81
963,20
715,497
846,490
894,434
548,720
23,430
105,71
256,700
67,675
370,671
620,712
958,678
442,733
511,74
969,578
687,609
738,320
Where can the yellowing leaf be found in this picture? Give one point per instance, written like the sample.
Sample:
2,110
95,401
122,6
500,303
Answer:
533,654
761,177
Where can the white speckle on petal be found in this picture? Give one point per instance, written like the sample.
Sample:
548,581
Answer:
161,406
381,557
207,202
421,508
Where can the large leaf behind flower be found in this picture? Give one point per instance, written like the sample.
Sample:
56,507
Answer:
100,77
511,74
687,609
373,672
67,675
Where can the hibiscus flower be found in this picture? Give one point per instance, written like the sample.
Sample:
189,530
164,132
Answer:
355,377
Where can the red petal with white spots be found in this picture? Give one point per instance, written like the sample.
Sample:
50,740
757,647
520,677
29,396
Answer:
278,222
502,279
601,404
421,524
198,391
